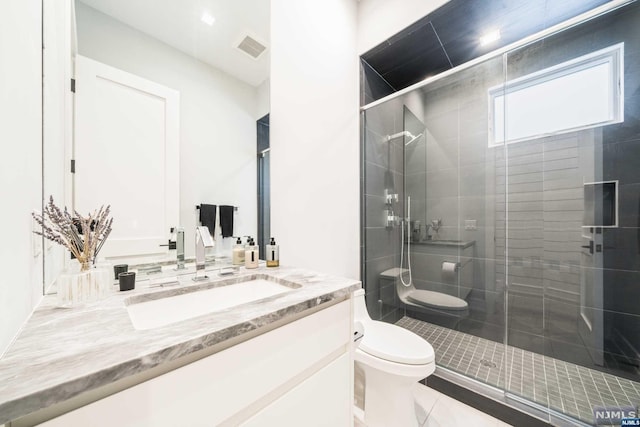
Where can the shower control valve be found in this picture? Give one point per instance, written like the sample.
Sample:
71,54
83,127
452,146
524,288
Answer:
390,197
390,219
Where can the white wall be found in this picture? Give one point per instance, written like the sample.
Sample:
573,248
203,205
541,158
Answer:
57,117
315,208
218,116
264,99
20,174
380,19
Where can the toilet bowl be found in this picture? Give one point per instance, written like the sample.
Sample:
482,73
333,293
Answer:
393,359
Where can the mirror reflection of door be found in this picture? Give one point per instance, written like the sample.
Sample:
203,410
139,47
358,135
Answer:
57,70
127,156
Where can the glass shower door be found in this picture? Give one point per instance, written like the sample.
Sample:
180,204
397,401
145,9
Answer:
571,338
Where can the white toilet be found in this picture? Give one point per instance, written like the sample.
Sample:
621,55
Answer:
393,360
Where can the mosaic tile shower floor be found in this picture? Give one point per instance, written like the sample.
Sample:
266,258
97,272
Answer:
571,389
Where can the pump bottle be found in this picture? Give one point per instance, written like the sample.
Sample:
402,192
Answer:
251,255
237,253
272,254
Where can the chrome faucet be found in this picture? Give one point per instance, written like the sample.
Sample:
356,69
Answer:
203,241
180,248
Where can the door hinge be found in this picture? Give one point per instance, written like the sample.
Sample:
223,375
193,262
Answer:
73,166
73,85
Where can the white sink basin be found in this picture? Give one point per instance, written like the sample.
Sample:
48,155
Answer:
175,308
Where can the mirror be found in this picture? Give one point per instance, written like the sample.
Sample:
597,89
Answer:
163,119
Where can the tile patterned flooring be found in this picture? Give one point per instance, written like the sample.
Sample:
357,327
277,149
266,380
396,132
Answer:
567,388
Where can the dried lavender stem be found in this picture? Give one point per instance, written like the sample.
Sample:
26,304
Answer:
61,227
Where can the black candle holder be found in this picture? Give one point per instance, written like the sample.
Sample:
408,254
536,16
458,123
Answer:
120,268
127,280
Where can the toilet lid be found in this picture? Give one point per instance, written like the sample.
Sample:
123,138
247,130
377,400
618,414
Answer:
395,344
437,300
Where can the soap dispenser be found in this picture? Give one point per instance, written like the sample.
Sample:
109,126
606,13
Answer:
273,254
251,255
238,253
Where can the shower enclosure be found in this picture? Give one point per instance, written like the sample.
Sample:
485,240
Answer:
523,171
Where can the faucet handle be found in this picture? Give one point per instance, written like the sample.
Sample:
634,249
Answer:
172,244
202,233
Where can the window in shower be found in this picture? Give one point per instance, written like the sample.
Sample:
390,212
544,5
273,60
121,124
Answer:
578,94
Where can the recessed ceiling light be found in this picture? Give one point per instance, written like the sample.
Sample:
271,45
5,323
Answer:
208,19
490,37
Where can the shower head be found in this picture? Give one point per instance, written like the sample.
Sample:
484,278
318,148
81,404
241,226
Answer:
403,134
412,139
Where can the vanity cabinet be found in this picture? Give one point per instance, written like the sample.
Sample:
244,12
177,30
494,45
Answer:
297,374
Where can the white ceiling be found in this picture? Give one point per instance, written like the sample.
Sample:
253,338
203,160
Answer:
178,24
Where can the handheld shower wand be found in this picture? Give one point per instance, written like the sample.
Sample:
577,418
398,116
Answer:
408,222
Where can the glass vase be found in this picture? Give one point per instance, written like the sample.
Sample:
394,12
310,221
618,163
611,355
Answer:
79,287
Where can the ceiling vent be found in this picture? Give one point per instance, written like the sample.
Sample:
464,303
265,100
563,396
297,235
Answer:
251,47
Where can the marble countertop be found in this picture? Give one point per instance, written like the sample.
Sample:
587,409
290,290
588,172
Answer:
61,353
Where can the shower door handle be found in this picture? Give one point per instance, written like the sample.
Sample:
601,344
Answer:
590,247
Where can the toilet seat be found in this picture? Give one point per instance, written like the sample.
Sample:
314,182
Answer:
394,369
394,344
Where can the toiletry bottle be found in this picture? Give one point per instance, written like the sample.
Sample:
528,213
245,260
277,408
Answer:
238,253
273,254
251,255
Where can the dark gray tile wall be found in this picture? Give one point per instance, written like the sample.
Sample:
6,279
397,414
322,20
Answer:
448,36
372,85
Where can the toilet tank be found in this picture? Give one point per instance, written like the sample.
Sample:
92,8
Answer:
360,313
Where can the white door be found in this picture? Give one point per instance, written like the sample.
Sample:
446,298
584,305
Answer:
127,156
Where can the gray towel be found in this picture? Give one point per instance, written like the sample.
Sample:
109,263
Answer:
208,217
226,220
